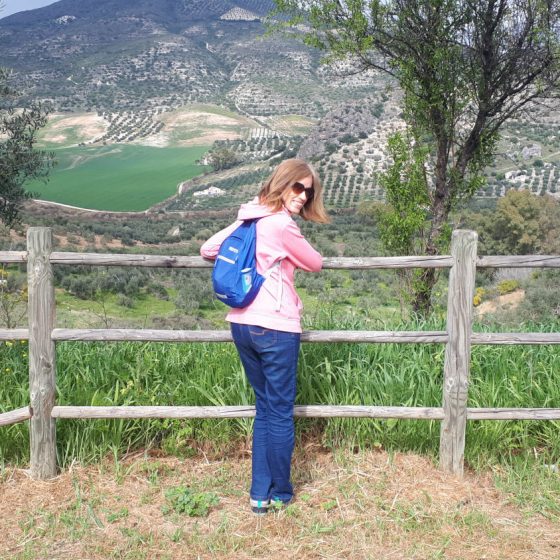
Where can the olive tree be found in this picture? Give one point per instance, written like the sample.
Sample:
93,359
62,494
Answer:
20,161
464,66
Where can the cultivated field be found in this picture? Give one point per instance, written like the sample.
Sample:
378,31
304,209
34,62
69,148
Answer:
120,177
131,161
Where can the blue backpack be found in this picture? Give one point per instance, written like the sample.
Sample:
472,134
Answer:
235,278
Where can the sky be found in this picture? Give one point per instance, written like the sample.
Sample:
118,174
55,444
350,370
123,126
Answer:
13,6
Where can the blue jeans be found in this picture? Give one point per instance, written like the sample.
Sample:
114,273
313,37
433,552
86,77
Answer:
270,359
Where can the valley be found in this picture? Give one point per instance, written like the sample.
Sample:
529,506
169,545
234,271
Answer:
146,82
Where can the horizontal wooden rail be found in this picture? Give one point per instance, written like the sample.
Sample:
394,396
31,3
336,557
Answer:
513,413
518,261
15,416
127,259
13,256
302,411
305,411
140,335
515,338
369,263
145,335
14,334
444,261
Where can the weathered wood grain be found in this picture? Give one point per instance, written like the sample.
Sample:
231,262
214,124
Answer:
305,411
13,256
443,261
41,315
141,335
14,334
515,338
401,337
146,335
518,261
15,416
458,350
123,259
513,413
302,411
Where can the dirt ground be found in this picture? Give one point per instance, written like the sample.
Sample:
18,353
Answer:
202,127
89,125
507,301
368,505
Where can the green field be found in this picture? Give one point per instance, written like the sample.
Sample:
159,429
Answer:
118,177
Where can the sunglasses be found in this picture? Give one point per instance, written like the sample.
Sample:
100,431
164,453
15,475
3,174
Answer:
298,188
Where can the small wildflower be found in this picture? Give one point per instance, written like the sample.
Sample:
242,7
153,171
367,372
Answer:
8,370
8,343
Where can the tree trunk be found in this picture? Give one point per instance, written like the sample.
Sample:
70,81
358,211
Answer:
440,207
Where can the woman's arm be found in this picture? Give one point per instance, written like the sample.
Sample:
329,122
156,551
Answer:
299,250
210,248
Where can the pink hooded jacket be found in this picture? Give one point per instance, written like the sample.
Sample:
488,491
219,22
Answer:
281,248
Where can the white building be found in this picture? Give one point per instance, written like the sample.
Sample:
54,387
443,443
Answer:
210,191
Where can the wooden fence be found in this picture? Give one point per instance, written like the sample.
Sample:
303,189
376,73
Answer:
458,337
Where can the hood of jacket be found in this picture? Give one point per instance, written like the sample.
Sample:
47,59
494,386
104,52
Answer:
253,210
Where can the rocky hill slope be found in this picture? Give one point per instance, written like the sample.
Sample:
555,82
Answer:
123,55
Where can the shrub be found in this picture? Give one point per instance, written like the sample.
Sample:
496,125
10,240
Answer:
478,296
507,286
542,297
348,139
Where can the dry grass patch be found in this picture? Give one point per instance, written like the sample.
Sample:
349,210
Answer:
81,127
201,125
292,124
366,505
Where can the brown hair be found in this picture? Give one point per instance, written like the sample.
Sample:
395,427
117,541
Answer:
284,176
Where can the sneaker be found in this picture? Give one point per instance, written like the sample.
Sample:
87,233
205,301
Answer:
259,507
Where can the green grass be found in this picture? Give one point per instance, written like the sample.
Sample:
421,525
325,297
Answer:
75,312
532,482
118,177
360,374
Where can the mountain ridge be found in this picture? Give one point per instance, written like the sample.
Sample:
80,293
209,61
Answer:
160,54
164,11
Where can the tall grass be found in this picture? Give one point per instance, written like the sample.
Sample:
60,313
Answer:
210,374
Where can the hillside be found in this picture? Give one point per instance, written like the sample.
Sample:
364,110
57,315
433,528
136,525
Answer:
115,56
183,73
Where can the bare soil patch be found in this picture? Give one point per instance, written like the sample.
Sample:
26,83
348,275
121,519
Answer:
507,301
358,506
86,126
191,127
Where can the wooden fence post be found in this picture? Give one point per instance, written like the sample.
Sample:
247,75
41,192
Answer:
458,351
41,318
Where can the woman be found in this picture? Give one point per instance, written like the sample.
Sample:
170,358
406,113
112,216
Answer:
267,332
